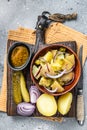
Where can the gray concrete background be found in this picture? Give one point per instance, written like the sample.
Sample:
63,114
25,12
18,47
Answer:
24,13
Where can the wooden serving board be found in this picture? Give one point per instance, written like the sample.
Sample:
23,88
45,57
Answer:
11,106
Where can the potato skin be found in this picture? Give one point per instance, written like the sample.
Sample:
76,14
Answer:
46,105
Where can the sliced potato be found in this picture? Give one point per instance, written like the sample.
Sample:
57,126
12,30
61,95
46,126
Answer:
36,71
47,68
62,49
48,56
45,82
61,56
64,103
67,65
37,62
66,77
57,64
57,85
71,58
59,60
56,67
54,52
46,105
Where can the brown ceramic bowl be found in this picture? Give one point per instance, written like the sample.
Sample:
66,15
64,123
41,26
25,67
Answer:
77,69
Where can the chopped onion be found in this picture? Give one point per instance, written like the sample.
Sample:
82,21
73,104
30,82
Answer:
69,70
38,71
34,94
51,91
56,76
59,75
25,109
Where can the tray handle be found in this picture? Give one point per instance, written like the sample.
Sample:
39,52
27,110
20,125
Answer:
42,24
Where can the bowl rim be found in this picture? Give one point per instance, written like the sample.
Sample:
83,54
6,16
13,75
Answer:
15,44
50,47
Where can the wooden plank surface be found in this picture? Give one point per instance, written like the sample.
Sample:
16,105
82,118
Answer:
11,106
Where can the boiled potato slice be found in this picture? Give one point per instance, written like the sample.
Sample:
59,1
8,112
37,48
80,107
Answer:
71,58
47,68
46,105
56,64
62,49
45,82
56,67
37,62
67,65
64,103
54,52
36,71
66,77
48,56
57,85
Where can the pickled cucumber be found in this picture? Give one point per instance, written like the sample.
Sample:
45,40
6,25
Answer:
24,91
17,97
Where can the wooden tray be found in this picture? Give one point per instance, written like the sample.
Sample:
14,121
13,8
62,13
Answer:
11,106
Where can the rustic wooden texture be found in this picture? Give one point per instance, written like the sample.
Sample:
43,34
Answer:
11,106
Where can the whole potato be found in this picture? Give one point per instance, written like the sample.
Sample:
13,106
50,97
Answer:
46,105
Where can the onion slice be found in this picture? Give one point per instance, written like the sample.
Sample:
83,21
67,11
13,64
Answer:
69,70
56,76
59,75
34,93
51,91
25,109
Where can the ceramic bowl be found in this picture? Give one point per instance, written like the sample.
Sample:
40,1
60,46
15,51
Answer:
11,48
77,69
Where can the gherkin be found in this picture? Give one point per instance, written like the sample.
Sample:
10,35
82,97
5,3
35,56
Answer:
17,97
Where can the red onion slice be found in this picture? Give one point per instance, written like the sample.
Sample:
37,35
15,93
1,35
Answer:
39,69
56,76
25,109
70,70
59,75
51,91
34,93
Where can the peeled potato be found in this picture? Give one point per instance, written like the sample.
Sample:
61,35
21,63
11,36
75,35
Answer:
64,103
46,105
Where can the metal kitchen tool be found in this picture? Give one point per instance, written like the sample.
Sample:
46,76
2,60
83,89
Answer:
80,99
